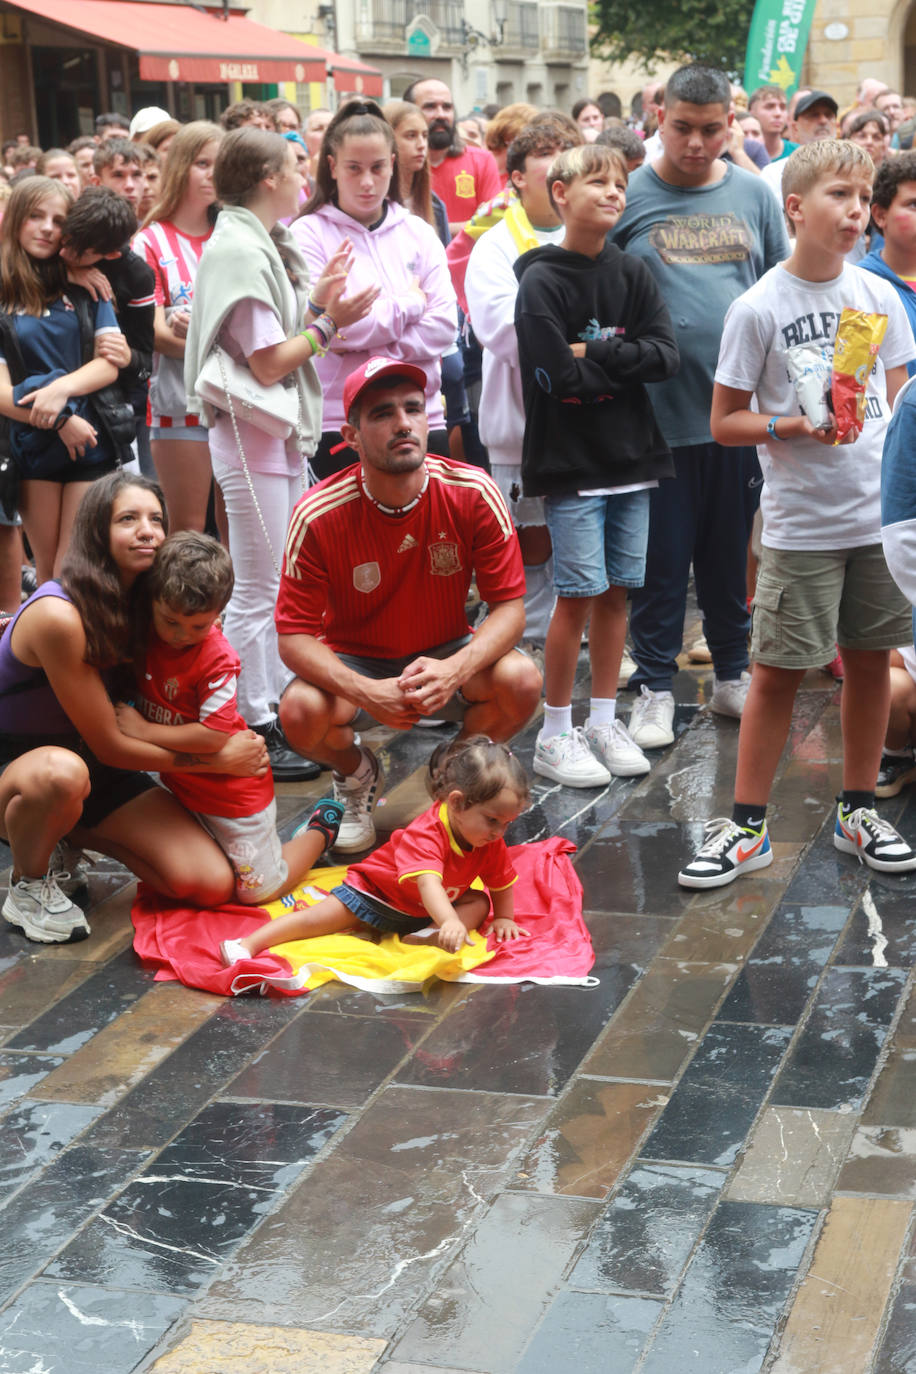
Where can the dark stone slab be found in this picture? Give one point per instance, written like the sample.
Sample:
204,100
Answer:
643,1239
361,1240
171,1228
834,1057
30,984
484,1307
338,1061
71,1329
887,936
20,1072
40,1218
893,1098
198,1070
519,1038
827,877
33,1134
694,780
725,1313
782,972
98,1001
711,1110
624,939
897,1351
632,867
591,1334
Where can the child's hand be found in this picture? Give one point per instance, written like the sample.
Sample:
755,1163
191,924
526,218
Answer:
130,721
504,928
453,935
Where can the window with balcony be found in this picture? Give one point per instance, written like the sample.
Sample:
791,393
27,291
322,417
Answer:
382,23
564,32
521,30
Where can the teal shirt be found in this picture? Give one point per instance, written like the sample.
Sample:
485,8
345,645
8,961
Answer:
705,246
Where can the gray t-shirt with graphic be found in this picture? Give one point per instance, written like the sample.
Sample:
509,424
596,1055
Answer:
705,246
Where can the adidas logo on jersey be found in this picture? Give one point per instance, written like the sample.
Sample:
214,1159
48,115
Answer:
407,543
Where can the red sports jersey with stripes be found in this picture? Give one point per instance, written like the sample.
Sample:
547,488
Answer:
386,586
197,685
174,257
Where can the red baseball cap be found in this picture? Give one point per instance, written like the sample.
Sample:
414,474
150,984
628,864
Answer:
370,372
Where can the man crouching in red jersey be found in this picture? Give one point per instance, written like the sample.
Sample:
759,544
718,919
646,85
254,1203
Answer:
371,611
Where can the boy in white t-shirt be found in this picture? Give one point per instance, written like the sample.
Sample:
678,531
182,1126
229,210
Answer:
823,578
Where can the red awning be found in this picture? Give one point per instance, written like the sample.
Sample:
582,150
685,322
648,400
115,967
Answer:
178,43
350,75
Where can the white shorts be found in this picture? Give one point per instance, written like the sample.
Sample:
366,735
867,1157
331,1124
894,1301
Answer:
525,510
252,846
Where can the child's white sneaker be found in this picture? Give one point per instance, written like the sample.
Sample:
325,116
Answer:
613,746
567,759
231,952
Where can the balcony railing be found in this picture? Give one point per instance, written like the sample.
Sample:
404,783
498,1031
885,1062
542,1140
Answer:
381,24
521,32
564,33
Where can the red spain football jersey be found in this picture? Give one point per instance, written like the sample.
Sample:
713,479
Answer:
388,586
428,845
198,685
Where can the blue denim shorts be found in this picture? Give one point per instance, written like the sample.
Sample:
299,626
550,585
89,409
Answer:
598,541
372,911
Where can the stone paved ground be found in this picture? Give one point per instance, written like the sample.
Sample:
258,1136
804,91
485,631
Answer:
706,1163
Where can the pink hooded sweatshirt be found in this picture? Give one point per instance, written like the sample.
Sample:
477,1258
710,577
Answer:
399,325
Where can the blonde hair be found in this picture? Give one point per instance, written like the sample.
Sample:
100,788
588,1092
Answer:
824,157
187,147
582,161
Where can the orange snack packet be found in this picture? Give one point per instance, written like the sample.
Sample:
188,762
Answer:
859,335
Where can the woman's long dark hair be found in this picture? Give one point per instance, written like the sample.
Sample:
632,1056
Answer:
89,574
357,118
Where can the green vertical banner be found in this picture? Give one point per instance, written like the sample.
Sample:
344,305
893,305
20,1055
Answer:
776,43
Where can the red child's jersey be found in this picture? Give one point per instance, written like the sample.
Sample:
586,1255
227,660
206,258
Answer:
192,686
428,845
386,586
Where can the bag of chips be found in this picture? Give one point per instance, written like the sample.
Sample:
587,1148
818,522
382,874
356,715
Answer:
859,335
810,369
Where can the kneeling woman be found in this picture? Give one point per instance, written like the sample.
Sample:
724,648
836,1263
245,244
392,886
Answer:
67,769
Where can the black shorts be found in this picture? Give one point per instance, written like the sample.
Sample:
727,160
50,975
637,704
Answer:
110,788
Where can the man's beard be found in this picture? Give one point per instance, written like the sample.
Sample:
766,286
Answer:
441,135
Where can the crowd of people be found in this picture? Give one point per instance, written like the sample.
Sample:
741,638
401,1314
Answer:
278,394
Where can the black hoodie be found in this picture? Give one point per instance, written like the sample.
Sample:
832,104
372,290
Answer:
588,421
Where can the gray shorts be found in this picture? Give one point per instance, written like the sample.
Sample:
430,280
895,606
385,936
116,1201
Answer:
379,668
808,601
252,846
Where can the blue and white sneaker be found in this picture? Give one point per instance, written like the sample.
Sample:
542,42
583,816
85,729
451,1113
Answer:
729,849
873,840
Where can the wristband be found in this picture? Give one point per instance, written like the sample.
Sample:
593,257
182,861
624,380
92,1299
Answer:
318,351
315,308
325,326
63,417
771,428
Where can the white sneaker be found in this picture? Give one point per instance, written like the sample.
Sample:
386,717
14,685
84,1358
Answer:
728,698
627,669
357,794
613,746
232,952
699,651
652,719
42,912
70,870
568,760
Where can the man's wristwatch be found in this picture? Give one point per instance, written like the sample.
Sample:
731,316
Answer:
771,428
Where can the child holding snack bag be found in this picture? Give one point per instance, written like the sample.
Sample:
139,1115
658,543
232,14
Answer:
822,577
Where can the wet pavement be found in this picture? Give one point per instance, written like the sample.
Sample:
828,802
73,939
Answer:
707,1162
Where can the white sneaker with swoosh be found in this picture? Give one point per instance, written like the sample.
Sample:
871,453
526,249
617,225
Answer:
729,849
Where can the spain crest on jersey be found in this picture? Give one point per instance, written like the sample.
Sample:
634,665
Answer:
464,185
444,559
366,577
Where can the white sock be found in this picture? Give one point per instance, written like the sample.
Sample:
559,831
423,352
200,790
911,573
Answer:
904,753
557,721
602,711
